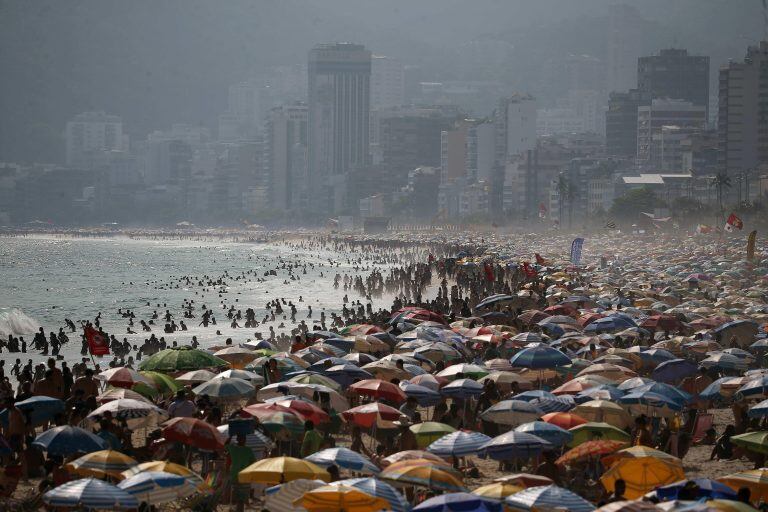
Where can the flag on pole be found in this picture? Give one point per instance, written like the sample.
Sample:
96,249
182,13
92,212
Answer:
751,245
97,342
576,246
733,222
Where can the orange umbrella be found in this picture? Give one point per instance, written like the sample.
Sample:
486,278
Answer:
194,432
411,455
369,415
566,420
590,449
377,388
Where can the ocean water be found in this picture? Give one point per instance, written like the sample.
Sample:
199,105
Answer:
44,280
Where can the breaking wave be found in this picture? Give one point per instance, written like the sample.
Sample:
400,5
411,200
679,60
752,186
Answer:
15,322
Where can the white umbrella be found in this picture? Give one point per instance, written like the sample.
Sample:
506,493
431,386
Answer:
226,389
196,377
137,413
90,493
156,487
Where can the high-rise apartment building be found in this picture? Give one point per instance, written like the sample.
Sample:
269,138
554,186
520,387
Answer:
743,112
673,74
515,126
387,82
621,122
651,119
91,133
287,156
338,120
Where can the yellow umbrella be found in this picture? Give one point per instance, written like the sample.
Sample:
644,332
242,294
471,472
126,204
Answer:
278,470
634,452
605,412
333,498
237,357
102,463
166,467
756,480
613,372
498,490
642,475
730,506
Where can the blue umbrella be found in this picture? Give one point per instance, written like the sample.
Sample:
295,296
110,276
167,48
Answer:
548,497
326,363
458,502
665,390
38,409
346,374
539,358
650,399
414,369
343,458
710,489
90,493
423,395
552,330
601,392
67,440
656,355
156,487
547,431
634,382
759,410
340,343
609,324
511,412
462,388
514,445
754,388
380,489
527,396
458,444
674,370
712,392
556,404
494,299
322,334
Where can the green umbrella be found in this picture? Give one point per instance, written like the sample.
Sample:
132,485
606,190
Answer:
316,378
430,431
164,384
596,430
752,441
283,426
181,359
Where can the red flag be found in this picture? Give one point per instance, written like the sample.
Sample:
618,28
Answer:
97,342
733,222
488,272
529,270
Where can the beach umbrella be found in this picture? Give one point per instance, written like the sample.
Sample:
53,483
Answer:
604,411
423,395
458,502
590,449
248,376
196,377
135,412
431,477
674,370
629,506
730,506
759,410
612,372
226,389
642,475
514,445
528,337
118,393
524,480
343,458
756,480
497,490
661,323
37,409
326,363
539,357
606,392
633,383
462,388
304,409
429,381
549,432
360,358
237,357
259,443
280,389
725,362
379,389
429,431
752,441
161,383
511,412
650,403
637,452
101,464
595,430
280,498
458,444
340,497
580,384
555,404
90,493
471,371
438,351
492,300
122,377
278,470
181,359
707,488
666,390
316,378
755,388
611,323
193,432
380,489
564,420
157,487
412,455
346,374
165,467
549,497
67,440
368,415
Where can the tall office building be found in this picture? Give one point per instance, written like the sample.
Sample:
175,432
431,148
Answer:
743,112
287,156
515,126
338,120
651,119
621,122
674,74
387,82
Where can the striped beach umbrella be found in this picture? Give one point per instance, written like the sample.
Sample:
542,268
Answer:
511,412
590,449
196,377
756,480
546,431
462,388
90,493
157,487
281,497
432,477
423,395
429,431
226,389
549,497
118,393
129,409
458,444
514,445
67,440
378,488
165,466
459,501
343,458
102,463
256,441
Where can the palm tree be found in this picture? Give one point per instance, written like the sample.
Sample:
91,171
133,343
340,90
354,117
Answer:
720,181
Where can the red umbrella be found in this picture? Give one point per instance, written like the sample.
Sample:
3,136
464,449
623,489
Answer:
566,420
365,329
588,318
425,315
264,411
377,388
661,323
306,409
193,432
532,316
369,414
560,309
